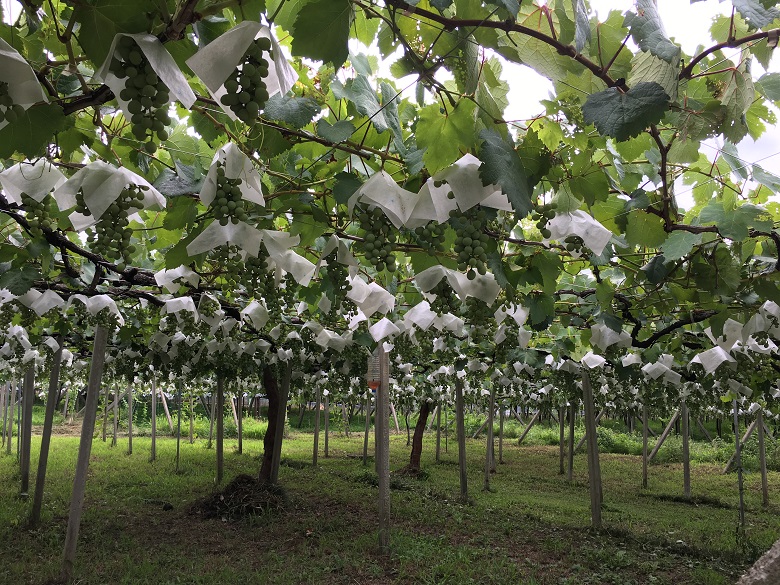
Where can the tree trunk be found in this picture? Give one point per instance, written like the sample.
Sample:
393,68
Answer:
382,450
417,438
240,417
461,428
277,411
85,448
438,433
594,468
26,436
220,429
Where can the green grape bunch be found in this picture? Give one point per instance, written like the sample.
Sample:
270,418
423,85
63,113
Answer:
146,94
542,215
111,236
380,238
574,243
430,237
228,205
231,265
37,215
446,300
470,240
245,86
9,111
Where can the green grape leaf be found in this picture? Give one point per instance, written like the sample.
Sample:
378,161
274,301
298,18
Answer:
20,279
737,165
648,31
345,187
582,25
679,244
769,86
541,309
756,15
549,266
767,179
335,133
647,67
644,229
185,181
501,166
657,269
624,115
321,31
441,5
182,213
445,135
511,6
33,130
735,224
209,28
360,93
295,111
101,20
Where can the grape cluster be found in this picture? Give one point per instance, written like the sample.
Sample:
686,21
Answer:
470,240
146,94
336,274
228,204
38,216
111,236
380,238
230,263
477,312
446,300
430,237
574,243
9,111
246,91
543,214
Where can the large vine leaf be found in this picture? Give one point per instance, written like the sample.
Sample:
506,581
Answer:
648,67
295,111
624,115
647,30
445,136
32,131
502,166
321,31
769,86
19,280
755,13
360,93
582,25
735,224
101,20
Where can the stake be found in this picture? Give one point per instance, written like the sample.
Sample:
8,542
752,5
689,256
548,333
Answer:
395,419
438,434
26,437
572,414
531,423
346,419
762,458
105,411
461,430
382,431
284,391
584,438
665,434
738,459
167,412
644,443
153,455
240,408
48,421
65,407
316,452
745,437
489,462
686,451
129,419
4,409
192,418
327,423
368,426
213,416
594,468
178,425
85,448
220,428
562,439
116,416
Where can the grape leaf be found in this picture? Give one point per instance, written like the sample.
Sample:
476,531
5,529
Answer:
295,111
679,244
501,166
321,31
735,224
624,115
657,269
582,26
769,86
445,135
441,5
755,14
20,279
345,187
32,131
644,229
648,67
360,93
338,132
511,6
186,180
648,31
101,20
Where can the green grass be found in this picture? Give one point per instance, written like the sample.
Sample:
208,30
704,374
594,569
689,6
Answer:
532,528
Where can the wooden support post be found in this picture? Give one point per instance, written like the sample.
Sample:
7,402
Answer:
489,459
517,416
316,451
572,417
326,430
130,419
594,467
116,417
738,460
368,427
240,414
178,425
233,400
482,427
562,439
10,433
4,409
745,437
395,419
686,450
461,431
762,458
25,439
703,429
663,436
48,423
345,417
106,395
281,417
528,427
432,418
167,412
501,435
153,455
85,448
192,417
383,451
584,438
213,410
438,434
65,406
645,427
220,429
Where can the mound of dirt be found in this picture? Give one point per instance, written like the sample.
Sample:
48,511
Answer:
244,496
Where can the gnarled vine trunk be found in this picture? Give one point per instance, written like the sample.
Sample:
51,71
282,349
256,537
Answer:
417,438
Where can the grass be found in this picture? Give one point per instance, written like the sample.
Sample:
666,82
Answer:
530,529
